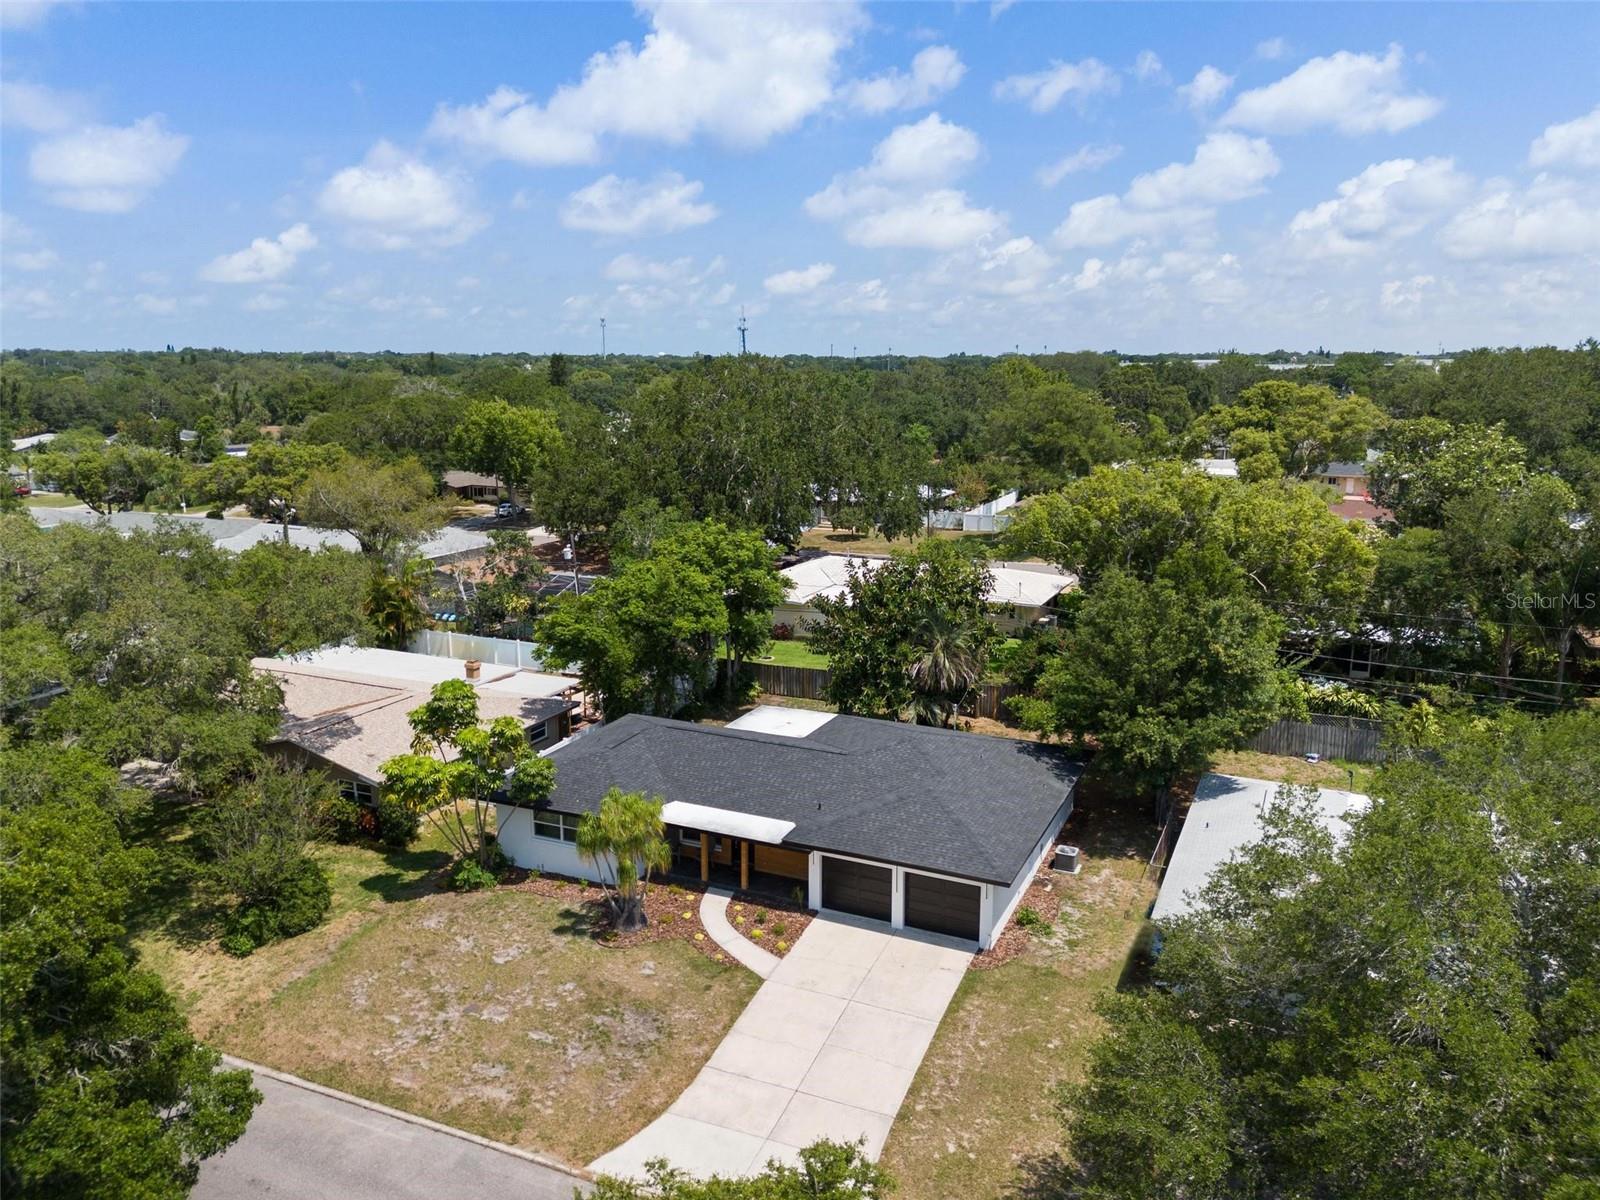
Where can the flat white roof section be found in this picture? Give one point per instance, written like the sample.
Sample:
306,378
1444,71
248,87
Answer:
726,822
782,722
534,684
371,662
829,575
1226,817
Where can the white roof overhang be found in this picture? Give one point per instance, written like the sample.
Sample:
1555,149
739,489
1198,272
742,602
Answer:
726,822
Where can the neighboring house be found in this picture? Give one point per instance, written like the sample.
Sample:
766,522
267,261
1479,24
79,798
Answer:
1022,593
448,545
988,517
1218,468
921,827
1225,818
346,708
1347,478
23,444
470,485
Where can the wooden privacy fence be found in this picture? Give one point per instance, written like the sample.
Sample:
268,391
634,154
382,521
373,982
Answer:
810,683
1357,739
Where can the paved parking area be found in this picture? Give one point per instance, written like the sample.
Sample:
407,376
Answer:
826,1048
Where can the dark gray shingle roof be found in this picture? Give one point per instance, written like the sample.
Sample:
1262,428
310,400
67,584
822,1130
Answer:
957,803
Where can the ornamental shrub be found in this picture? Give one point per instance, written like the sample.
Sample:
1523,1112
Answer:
397,823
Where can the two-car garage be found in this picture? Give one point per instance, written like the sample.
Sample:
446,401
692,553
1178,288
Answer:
929,902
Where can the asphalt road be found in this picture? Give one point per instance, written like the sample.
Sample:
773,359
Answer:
306,1144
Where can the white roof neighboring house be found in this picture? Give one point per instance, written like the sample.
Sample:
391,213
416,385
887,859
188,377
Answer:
350,705
1226,817
1218,468
828,575
29,443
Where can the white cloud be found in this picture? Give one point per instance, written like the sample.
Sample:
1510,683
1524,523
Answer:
508,125
394,201
1388,200
1272,49
997,7
263,259
1043,90
1572,143
934,71
40,109
20,247
1403,297
646,285
869,297
739,73
1207,87
634,208
1085,158
159,306
1147,68
896,199
799,281
1549,219
1091,276
1179,197
634,268
26,14
106,168
266,302
1352,93
1226,167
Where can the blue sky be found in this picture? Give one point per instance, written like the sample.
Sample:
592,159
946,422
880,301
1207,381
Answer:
932,178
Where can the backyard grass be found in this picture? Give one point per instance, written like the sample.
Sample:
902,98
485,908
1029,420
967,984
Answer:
792,653
494,1011
50,500
1330,772
979,1121
847,541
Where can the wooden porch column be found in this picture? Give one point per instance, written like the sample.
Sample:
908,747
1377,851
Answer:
705,858
744,865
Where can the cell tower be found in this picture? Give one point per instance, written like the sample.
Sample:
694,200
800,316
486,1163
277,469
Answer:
602,337
744,327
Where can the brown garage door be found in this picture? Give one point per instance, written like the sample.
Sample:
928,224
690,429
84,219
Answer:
856,887
942,905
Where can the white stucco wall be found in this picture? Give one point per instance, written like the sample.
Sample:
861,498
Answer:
1004,901
514,826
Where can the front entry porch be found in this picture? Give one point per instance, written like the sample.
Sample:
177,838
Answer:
724,860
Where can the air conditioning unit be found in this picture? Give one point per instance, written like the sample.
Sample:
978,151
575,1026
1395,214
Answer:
1067,859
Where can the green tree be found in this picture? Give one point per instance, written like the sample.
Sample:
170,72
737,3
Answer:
626,840
1047,428
826,1171
642,639
1303,426
508,589
1407,1015
744,569
106,1093
511,442
457,766
910,639
275,475
388,509
296,600
1427,462
1160,677
393,603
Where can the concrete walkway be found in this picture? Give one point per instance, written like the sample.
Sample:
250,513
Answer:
714,916
308,1140
826,1048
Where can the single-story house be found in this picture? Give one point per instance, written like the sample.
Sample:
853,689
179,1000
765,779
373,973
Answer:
1225,818
1218,468
22,445
470,485
1349,478
1021,592
923,828
345,708
447,545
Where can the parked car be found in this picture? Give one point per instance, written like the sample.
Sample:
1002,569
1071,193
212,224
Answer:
22,489
508,511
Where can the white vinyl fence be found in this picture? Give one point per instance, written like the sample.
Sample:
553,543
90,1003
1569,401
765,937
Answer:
503,651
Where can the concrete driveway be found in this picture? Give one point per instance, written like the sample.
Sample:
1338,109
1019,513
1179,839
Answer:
826,1048
305,1140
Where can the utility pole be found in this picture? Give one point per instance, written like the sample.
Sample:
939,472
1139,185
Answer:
743,328
602,337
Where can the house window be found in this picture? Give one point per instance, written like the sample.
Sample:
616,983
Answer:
558,827
537,734
691,837
359,791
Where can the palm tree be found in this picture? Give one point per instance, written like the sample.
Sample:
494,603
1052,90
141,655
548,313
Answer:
951,656
394,603
627,840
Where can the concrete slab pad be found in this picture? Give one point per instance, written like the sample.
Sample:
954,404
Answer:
775,1152
693,1146
826,975
852,1078
841,939
734,1102
891,1037
757,1058
923,994
794,1016
811,1117
927,952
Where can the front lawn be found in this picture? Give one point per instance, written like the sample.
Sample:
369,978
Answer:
979,1121
496,1012
792,653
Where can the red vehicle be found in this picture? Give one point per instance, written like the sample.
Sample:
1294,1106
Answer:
22,489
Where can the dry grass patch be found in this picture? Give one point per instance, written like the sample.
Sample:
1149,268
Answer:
978,1121
1330,773
498,1013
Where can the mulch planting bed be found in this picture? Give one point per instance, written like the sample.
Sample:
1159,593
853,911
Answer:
672,911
